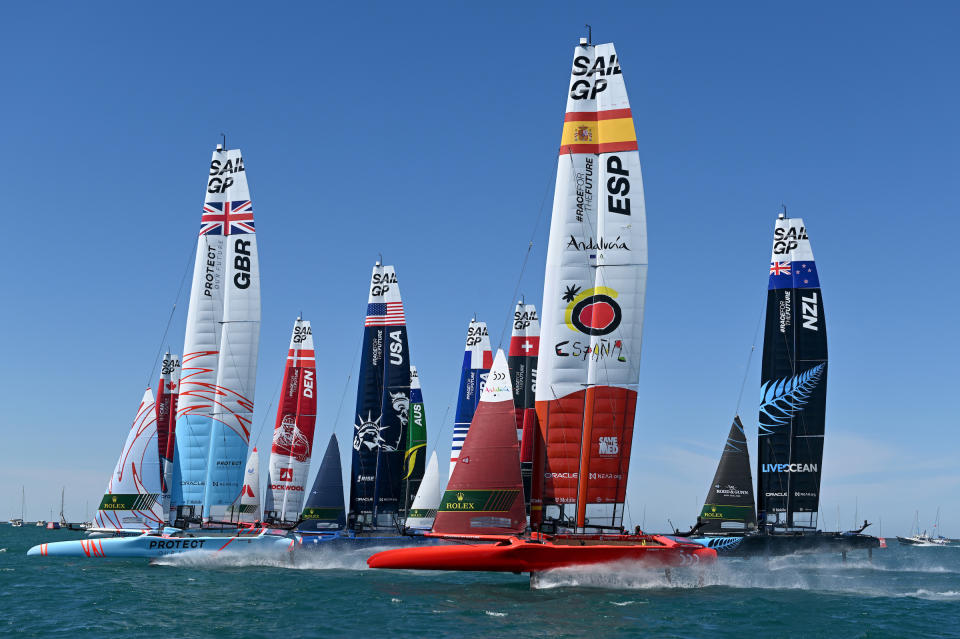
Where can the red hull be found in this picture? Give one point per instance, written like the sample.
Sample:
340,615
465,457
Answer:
517,555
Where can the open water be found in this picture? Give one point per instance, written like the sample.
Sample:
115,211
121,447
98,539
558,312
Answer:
904,592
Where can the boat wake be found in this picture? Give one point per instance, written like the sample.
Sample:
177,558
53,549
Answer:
322,559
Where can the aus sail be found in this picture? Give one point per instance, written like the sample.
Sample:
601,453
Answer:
592,312
414,458
793,384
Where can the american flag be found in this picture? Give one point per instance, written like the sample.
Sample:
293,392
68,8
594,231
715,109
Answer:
389,314
227,218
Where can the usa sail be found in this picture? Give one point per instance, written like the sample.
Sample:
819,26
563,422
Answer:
415,455
477,359
248,510
793,384
485,493
293,431
592,313
524,348
132,500
383,401
218,373
324,508
729,504
424,508
168,390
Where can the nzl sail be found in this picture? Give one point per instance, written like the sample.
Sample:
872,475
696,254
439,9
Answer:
729,504
524,347
132,500
168,390
592,313
383,402
415,455
485,495
477,359
793,384
293,432
220,348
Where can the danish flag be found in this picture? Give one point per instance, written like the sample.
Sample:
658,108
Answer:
227,218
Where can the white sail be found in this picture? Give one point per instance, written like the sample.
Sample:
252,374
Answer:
220,350
425,504
132,499
248,510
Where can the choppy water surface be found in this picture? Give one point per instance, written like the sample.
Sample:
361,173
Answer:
904,592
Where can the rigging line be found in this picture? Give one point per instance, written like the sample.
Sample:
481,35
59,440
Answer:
173,309
346,384
526,256
267,413
753,347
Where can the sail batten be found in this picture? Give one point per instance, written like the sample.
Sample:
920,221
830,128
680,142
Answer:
592,312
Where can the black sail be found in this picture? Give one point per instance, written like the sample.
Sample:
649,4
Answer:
729,505
793,384
324,506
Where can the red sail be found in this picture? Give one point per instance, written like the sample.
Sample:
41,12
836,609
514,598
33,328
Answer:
485,493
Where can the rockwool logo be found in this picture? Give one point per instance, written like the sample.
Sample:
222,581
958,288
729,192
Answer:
286,474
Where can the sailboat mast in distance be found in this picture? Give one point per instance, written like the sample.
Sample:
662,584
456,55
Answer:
324,508
524,348
477,359
729,504
383,402
592,312
293,432
248,510
168,390
220,348
415,456
793,384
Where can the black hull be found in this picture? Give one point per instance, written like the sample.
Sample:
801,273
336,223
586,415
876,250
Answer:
780,545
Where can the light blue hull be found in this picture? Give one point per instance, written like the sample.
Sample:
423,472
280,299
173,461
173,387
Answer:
162,545
345,539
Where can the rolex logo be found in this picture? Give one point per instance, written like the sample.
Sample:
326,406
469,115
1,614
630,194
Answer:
713,508
459,496
114,499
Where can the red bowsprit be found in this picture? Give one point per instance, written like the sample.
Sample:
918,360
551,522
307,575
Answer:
513,554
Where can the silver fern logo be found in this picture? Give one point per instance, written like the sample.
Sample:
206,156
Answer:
781,399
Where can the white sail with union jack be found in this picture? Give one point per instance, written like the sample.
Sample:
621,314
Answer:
220,348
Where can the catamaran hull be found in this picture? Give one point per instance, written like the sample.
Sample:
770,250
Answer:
773,545
516,555
154,546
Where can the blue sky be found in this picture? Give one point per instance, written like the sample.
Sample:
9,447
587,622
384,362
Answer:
429,135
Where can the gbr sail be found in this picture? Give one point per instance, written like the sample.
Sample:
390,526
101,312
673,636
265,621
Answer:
218,372
592,313
793,384
132,500
477,359
293,431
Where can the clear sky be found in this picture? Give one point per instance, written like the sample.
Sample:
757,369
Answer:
428,133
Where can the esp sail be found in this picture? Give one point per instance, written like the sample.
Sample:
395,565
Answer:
383,401
485,493
133,499
166,409
592,313
524,348
424,508
324,508
729,505
293,432
218,373
477,359
793,384
415,455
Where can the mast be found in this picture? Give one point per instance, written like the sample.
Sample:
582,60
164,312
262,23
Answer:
383,401
477,359
218,372
292,443
793,384
592,312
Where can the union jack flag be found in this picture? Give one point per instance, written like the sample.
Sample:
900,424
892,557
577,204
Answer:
389,314
780,268
227,218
